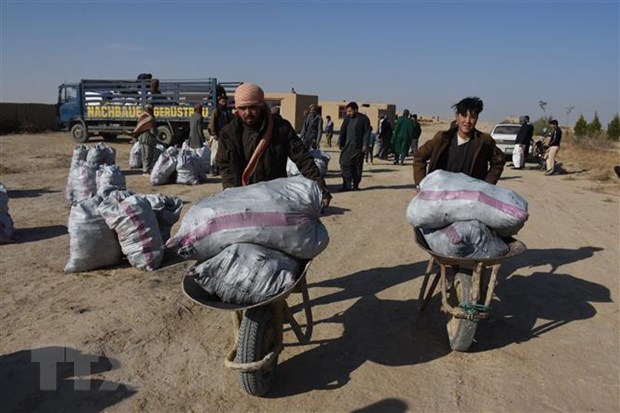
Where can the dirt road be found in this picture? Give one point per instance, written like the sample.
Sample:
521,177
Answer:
553,345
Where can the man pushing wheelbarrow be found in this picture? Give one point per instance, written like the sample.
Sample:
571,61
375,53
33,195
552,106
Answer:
463,220
255,240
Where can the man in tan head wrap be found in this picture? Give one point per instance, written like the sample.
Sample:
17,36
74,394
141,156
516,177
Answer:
255,145
146,132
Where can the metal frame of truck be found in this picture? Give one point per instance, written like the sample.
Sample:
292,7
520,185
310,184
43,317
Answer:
111,107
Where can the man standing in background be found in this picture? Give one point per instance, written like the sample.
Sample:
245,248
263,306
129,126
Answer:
385,137
402,137
220,117
196,135
417,132
353,143
554,146
312,130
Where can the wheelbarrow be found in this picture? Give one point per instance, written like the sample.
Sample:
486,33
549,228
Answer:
467,298
258,331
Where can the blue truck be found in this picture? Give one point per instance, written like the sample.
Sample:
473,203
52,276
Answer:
109,108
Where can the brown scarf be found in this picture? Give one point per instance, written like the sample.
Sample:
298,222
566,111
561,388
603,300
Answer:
145,122
259,151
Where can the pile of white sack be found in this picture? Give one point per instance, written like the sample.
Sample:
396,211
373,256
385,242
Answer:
108,222
6,222
461,216
321,159
251,242
182,166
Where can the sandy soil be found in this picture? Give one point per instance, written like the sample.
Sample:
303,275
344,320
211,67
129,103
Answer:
553,345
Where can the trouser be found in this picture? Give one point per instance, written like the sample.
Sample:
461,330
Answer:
526,152
215,170
352,171
551,154
329,139
147,148
399,157
369,153
385,148
414,146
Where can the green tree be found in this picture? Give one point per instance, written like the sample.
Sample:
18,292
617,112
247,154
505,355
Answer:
594,127
581,127
613,128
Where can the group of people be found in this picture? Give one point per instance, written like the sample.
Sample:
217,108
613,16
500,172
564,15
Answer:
254,144
525,138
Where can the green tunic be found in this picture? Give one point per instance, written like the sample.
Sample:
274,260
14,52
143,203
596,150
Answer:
402,136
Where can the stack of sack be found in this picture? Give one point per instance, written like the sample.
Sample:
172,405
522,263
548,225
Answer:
321,159
92,171
6,222
252,242
461,216
108,222
183,166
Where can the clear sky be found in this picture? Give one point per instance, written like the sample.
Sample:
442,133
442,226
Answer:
420,55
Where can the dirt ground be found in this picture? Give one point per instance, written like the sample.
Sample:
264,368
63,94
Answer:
553,344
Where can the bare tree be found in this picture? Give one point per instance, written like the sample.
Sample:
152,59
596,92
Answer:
543,106
569,109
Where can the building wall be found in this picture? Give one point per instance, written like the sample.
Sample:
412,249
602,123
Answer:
27,117
292,106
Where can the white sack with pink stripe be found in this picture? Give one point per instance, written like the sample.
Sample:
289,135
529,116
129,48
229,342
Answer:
447,197
282,214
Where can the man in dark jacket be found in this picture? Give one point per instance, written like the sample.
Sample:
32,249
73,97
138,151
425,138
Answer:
353,143
312,130
461,149
196,135
524,138
255,145
385,137
220,117
554,146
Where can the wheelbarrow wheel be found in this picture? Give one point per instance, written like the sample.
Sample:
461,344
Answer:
257,338
461,332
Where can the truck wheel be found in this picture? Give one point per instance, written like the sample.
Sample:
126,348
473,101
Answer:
79,133
164,135
461,332
108,136
257,338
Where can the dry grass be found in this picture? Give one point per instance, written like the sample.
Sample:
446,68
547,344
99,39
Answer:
596,156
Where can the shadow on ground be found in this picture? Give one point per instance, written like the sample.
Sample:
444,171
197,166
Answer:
22,235
55,379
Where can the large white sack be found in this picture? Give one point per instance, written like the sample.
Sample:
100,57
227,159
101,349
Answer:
109,178
468,239
321,159
81,182
204,161
247,274
167,209
282,214
447,197
135,156
92,244
291,168
6,222
137,229
188,167
101,154
165,167
80,153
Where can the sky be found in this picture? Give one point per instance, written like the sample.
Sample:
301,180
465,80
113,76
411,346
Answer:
420,55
